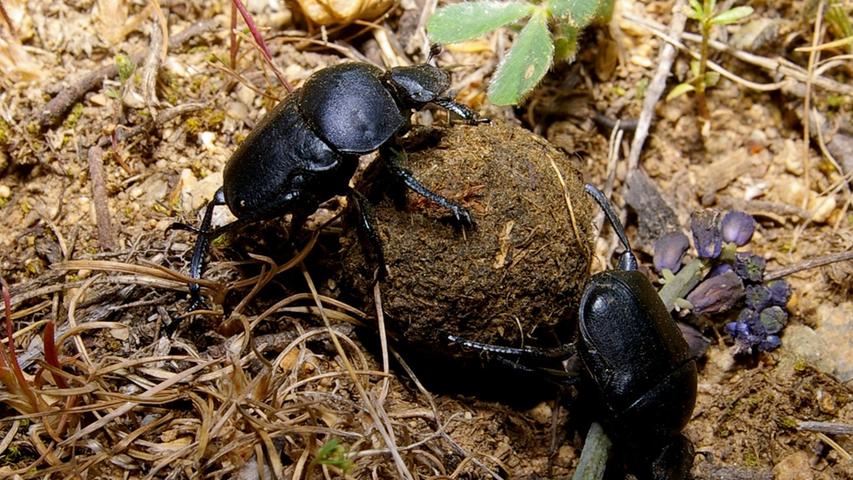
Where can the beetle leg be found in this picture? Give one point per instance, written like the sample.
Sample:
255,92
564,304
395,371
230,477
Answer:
558,377
470,116
393,159
558,353
368,236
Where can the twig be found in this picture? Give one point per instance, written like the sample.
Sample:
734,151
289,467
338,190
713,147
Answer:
810,263
8,20
261,44
814,56
99,195
657,85
596,449
55,109
776,66
151,63
827,427
161,118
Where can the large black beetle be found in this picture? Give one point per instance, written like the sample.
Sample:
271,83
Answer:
635,361
305,151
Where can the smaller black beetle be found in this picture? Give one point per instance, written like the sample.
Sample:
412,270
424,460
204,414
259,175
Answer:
635,360
305,151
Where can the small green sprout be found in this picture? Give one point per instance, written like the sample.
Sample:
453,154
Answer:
126,67
701,78
551,32
334,454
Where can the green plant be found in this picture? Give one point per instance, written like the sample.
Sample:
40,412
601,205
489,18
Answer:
701,78
551,32
334,454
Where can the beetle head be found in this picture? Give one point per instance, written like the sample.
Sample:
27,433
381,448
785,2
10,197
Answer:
417,85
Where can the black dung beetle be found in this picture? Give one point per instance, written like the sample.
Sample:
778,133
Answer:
305,151
640,372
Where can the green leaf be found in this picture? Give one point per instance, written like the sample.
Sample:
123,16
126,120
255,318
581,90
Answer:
566,44
126,67
711,78
525,65
464,21
694,68
732,15
577,13
696,11
680,90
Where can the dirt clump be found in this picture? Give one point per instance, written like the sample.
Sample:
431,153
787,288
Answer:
514,280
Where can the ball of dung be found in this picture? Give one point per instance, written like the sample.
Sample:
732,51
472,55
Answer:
514,280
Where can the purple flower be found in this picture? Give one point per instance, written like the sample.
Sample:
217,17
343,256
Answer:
716,294
750,267
719,269
706,233
780,292
668,251
753,332
772,342
737,227
758,297
774,319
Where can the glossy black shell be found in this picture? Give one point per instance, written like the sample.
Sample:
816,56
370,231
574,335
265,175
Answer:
350,108
298,170
304,151
636,357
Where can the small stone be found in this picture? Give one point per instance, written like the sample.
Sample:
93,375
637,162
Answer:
794,467
835,330
5,192
792,157
237,111
822,208
541,413
791,190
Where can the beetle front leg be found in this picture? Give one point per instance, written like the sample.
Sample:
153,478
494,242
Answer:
393,160
470,116
204,236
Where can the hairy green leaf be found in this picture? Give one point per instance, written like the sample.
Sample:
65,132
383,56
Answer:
525,65
464,21
577,13
732,15
680,90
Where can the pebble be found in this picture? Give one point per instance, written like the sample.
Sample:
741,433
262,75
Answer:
541,413
5,192
822,208
802,344
835,331
794,467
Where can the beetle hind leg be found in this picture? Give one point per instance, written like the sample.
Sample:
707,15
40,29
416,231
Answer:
367,234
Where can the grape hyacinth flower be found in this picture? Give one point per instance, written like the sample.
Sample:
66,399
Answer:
780,292
774,319
706,234
668,251
716,294
750,267
750,334
737,227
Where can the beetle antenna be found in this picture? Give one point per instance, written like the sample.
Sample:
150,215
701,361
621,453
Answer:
628,261
434,50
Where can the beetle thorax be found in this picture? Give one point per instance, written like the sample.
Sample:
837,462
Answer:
417,85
